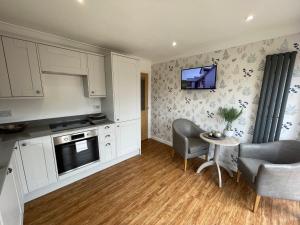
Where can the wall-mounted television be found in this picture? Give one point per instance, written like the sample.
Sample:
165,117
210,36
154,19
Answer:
199,78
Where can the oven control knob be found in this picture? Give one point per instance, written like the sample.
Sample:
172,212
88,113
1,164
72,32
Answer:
66,139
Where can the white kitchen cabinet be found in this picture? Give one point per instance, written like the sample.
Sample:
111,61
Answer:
5,90
56,60
38,162
18,177
23,67
127,137
123,88
10,206
108,151
107,144
19,167
95,81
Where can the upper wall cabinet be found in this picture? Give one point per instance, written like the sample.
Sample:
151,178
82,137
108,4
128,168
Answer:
95,81
125,82
123,89
4,81
23,68
56,60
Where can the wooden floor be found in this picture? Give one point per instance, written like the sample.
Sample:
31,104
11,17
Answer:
153,189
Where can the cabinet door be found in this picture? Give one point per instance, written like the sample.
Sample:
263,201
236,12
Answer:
17,176
127,136
125,87
23,68
107,151
4,81
38,162
9,203
96,76
62,61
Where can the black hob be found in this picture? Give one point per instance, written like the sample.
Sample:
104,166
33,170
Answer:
69,125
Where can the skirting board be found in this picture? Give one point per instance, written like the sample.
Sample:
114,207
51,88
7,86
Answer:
162,141
97,167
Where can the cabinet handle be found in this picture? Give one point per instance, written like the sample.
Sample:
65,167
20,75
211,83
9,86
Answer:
107,136
106,127
118,126
92,92
24,144
108,144
16,148
117,119
38,91
9,170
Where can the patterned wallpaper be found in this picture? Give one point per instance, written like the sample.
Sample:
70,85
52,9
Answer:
239,79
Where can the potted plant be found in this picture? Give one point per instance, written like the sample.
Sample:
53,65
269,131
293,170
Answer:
229,115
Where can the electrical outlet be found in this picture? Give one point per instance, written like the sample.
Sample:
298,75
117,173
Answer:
5,113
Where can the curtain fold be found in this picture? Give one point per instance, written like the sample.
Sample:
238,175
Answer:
273,97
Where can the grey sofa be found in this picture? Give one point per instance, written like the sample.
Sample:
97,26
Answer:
187,141
271,169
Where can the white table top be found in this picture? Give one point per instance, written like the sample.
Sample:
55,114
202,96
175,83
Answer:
227,141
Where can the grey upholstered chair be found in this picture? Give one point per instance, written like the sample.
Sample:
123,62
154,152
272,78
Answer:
271,169
187,141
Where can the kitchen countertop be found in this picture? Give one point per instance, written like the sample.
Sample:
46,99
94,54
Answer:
33,130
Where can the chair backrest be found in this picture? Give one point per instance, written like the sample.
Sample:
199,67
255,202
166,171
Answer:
289,152
185,127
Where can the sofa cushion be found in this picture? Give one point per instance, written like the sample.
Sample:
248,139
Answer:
197,145
249,167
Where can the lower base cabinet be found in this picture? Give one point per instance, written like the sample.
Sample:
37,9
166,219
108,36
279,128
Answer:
128,137
10,204
107,145
38,162
36,171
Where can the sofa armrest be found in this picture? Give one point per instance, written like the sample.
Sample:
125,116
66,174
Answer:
279,181
264,151
180,144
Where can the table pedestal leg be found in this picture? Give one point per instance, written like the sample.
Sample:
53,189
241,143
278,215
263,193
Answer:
226,168
216,162
219,174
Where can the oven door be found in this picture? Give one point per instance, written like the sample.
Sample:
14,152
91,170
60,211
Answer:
75,154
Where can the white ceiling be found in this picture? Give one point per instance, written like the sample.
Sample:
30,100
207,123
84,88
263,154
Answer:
146,28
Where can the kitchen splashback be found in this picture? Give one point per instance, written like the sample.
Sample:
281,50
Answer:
64,96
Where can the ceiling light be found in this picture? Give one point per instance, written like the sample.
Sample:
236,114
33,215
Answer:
249,18
80,1
174,43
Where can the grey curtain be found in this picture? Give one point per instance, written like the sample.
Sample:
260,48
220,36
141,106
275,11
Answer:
273,96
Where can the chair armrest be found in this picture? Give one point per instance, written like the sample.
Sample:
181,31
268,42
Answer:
180,144
196,131
279,181
264,151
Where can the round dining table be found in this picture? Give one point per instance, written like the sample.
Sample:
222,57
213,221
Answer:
218,143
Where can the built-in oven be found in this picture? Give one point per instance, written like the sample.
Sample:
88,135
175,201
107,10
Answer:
76,150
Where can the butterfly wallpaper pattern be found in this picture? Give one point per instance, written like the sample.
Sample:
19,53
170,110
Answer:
239,80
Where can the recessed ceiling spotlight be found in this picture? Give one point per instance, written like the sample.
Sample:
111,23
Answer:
174,44
80,1
249,18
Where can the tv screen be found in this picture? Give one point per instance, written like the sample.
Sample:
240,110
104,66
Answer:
199,77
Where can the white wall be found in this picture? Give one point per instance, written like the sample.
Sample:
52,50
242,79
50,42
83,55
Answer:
64,96
145,67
